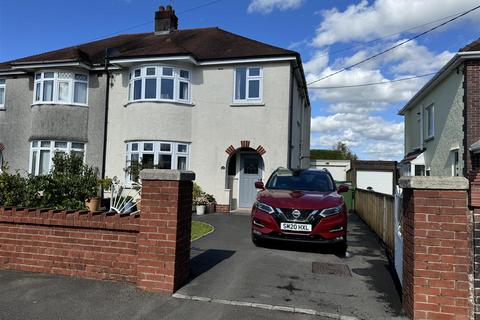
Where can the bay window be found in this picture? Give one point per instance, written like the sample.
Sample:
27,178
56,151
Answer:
159,83
61,87
43,151
248,84
156,154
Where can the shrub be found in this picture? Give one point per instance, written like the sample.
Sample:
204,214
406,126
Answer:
12,188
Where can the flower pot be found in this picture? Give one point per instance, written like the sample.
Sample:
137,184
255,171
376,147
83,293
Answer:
200,210
211,208
93,204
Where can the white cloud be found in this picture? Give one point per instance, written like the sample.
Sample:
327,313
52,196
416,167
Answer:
384,150
364,21
267,6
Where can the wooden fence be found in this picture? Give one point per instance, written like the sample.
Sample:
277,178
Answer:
377,210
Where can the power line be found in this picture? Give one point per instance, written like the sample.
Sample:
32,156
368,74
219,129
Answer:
395,46
150,22
375,83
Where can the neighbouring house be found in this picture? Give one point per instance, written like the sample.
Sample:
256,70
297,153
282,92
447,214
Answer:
229,108
337,168
442,121
376,175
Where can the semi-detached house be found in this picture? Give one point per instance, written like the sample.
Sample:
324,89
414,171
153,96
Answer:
229,108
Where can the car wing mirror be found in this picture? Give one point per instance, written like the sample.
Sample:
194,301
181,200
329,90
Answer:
342,188
259,185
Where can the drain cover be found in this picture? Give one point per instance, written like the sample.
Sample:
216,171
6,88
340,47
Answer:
334,269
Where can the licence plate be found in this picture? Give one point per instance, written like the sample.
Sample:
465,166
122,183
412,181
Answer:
295,226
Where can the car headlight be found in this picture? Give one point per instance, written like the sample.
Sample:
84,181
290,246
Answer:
264,207
331,211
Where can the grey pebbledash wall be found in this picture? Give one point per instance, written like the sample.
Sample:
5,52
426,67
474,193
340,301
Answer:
22,122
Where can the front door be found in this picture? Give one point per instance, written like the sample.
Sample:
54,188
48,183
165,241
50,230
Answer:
250,171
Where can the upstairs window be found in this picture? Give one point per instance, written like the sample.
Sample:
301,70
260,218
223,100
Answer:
61,87
248,84
43,151
2,93
430,121
159,83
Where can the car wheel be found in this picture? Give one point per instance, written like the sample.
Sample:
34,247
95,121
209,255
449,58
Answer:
341,247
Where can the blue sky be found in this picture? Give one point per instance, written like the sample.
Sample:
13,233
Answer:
323,31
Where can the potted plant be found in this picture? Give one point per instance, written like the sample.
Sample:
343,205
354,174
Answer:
201,204
211,203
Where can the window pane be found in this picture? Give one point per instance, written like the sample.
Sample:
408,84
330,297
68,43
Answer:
240,83
45,144
167,72
134,157
254,72
80,93
151,71
63,91
37,91
164,147
65,75
2,81
44,161
34,162
77,145
182,148
147,161
59,144
78,154
48,75
182,163
183,90
48,90
137,89
254,88
150,88
137,72
81,77
38,76
34,144
134,146
164,161
184,74
2,95
148,146
167,89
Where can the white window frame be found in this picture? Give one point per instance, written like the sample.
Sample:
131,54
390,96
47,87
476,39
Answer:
159,76
175,154
430,121
455,164
52,148
247,79
56,82
3,86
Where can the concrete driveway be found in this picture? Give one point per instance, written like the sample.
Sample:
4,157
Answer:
227,266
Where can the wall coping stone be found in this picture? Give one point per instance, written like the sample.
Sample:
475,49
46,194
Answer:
165,174
434,183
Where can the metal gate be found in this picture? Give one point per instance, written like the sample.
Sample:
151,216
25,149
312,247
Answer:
398,213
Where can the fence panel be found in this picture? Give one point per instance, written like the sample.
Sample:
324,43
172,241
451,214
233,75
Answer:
377,210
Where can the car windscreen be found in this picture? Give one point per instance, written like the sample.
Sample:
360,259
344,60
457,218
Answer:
305,180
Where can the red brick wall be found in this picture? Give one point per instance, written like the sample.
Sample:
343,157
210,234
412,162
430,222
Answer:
96,246
437,262
222,208
471,114
151,249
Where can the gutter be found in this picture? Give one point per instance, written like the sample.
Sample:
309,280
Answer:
105,124
290,116
457,59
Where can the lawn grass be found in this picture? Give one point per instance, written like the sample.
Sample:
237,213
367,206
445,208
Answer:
199,229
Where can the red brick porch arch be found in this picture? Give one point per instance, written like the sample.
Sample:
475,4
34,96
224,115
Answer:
245,144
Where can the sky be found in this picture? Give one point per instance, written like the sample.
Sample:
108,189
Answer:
329,34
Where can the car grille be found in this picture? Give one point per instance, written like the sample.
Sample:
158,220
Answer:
286,214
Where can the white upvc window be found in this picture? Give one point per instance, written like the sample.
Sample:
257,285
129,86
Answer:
248,84
43,151
455,162
430,115
157,154
62,87
159,83
2,93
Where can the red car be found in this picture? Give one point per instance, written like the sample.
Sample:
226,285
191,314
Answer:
300,206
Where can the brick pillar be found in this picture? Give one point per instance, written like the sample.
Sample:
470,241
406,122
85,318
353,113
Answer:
163,260
471,115
437,258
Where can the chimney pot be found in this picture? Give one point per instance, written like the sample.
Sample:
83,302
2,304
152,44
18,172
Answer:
165,20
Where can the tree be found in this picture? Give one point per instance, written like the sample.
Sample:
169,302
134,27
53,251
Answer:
345,151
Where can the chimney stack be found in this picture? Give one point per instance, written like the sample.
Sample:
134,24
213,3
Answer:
165,20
